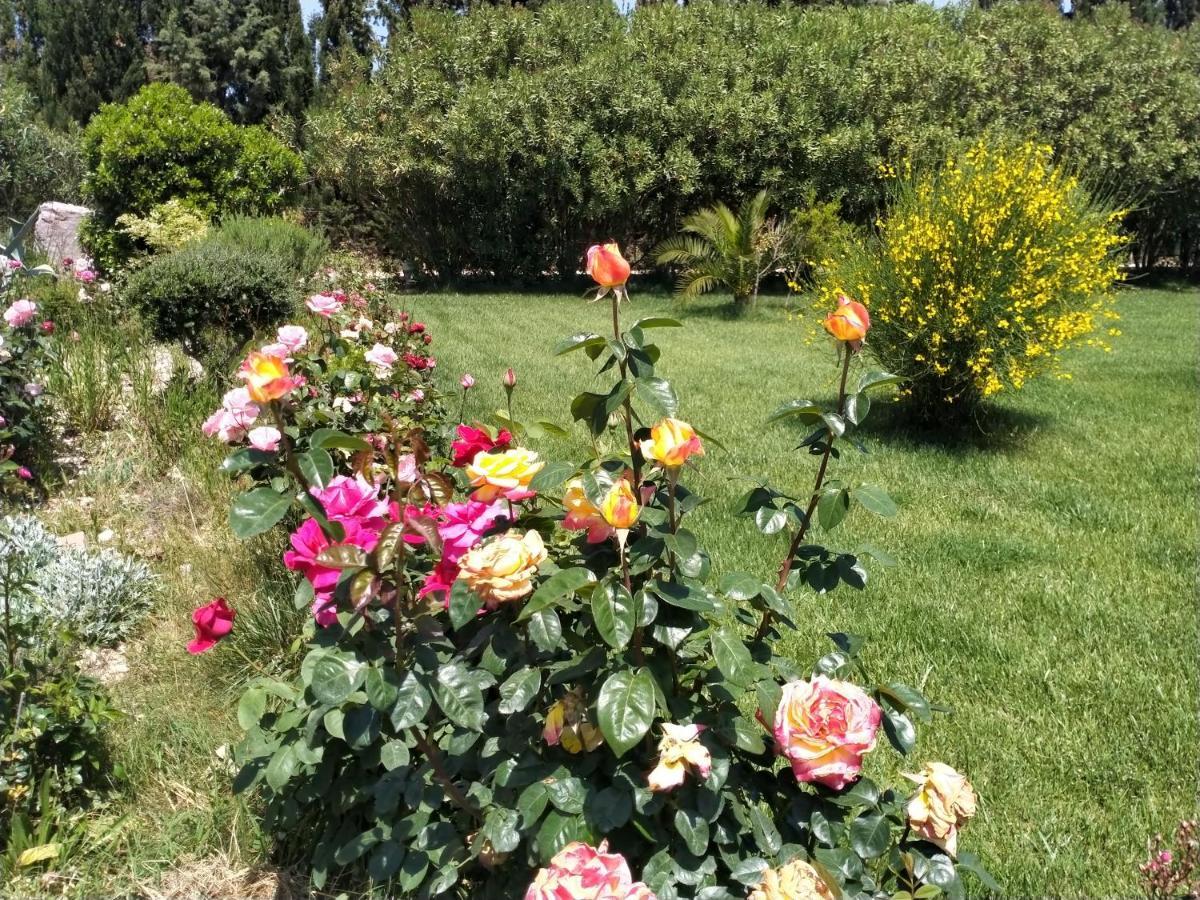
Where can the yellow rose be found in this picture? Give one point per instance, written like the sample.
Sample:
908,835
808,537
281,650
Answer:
795,881
503,569
943,802
671,443
506,474
620,508
582,515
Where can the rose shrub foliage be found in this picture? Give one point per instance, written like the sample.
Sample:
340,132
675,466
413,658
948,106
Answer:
522,678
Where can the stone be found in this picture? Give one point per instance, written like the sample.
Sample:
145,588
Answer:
56,228
76,540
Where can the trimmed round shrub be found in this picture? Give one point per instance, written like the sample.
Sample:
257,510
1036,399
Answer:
161,145
300,249
982,273
212,287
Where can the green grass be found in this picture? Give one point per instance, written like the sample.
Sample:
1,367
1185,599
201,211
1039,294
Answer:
1046,585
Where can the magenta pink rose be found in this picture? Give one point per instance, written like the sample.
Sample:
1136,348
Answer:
464,524
352,498
580,872
212,621
308,542
824,728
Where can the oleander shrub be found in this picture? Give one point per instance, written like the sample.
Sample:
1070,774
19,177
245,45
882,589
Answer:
982,273
98,597
37,163
212,293
160,145
498,142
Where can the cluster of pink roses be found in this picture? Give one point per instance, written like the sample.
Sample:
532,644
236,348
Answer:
20,313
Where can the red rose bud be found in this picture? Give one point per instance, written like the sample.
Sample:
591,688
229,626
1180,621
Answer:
427,338
47,327
416,327
213,622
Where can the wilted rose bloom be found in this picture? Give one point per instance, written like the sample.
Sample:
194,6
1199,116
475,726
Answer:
942,804
324,305
467,382
582,515
580,872
212,621
620,507
503,569
795,881
606,265
506,474
416,328
267,377
265,438
671,443
679,752
567,725
292,336
824,727
382,357
427,339
20,313
849,322
472,441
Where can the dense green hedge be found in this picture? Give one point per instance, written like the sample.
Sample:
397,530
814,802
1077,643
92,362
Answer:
36,163
502,141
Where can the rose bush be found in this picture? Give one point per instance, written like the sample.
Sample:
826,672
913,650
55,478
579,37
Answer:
522,679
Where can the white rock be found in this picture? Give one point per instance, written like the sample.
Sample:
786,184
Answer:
105,536
57,229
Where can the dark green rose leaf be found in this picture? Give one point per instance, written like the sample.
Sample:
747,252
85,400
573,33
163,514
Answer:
518,690
625,708
257,511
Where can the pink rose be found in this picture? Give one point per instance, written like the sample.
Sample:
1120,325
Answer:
24,474
224,426
292,336
212,621
465,524
825,727
323,305
467,381
352,498
472,441
265,438
21,313
416,396
277,349
580,872
308,542
47,327
382,357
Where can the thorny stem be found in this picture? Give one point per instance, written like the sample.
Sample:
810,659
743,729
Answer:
672,481
431,753
289,454
626,407
786,568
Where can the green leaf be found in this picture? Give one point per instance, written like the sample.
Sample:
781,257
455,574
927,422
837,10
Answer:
257,511
739,586
567,794
551,477
625,709
500,828
545,630
385,860
334,678
251,708
765,834
732,657
684,597
832,507
808,412
615,614
361,727
898,728
749,871
875,499
330,439
578,342
658,395
970,863
281,768
609,809
657,322
393,755
243,460
877,379
412,703
693,828
464,604
459,697
907,699
316,466
555,589
383,688
857,407
518,690
871,835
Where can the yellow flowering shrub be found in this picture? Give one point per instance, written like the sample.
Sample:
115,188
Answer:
982,273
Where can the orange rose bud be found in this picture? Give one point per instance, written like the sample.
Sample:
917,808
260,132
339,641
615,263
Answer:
620,508
606,265
267,377
849,322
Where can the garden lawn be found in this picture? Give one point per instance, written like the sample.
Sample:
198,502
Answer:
1046,585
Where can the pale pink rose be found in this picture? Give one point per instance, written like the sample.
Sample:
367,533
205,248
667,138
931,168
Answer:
416,396
239,404
407,470
323,305
467,382
34,389
293,337
277,349
21,313
824,728
580,872
382,357
265,438
224,425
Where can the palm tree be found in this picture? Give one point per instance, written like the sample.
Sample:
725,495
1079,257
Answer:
721,249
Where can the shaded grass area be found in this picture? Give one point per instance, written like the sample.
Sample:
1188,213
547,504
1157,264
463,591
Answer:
1046,585
1047,580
